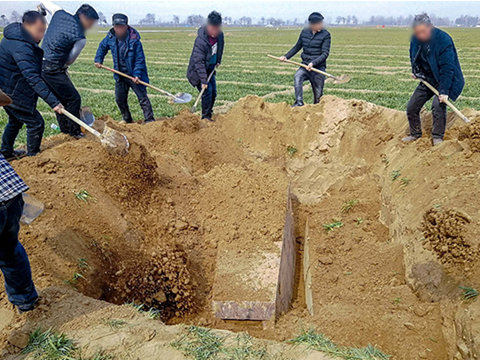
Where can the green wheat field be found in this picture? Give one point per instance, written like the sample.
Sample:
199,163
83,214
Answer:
376,59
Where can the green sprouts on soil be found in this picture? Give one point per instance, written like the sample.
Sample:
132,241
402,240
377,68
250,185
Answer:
320,342
469,293
335,224
348,205
84,195
292,150
395,174
405,181
115,324
48,345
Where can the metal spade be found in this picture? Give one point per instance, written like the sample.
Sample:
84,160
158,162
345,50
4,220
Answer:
4,99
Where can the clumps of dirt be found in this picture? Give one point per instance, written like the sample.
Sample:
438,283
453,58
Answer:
444,233
161,281
185,122
471,135
129,177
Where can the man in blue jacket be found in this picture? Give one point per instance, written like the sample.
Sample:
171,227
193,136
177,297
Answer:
434,58
315,42
20,79
64,40
128,57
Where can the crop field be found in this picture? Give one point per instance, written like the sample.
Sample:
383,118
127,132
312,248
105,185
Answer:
376,59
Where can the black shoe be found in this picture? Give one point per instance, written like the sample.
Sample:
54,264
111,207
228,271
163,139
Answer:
208,117
149,121
22,309
15,154
298,104
78,136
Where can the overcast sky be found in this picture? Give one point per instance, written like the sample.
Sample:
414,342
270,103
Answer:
257,9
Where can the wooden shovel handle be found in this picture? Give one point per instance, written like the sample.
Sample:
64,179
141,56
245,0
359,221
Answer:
203,90
82,124
304,66
141,82
455,110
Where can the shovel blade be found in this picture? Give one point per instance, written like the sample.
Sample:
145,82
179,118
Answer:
4,99
86,116
115,142
342,79
182,98
31,210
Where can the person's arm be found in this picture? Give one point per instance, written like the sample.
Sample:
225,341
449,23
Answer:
25,60
50,7
76,50
295,49
199,60
140,63
446,61
325,51
220,50
102,51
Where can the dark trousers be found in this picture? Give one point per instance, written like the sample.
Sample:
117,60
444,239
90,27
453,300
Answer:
13,258
60,84
439,111
209,96
316,80
122,87
35,127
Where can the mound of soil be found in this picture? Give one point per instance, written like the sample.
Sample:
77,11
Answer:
151,222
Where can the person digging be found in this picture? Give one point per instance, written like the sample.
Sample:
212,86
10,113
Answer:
315,42
434,59
206,57
123,41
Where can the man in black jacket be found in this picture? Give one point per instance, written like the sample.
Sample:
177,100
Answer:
206,56
64,40
315,41
20,78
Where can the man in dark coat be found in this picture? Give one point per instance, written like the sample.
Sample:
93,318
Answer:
64,40
20,78
315,42
128,57
434,58
206,57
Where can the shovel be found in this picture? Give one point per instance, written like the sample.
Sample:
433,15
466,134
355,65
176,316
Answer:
194,107
455,110
31,210
4,99
114,141
179,98
87,116
342,79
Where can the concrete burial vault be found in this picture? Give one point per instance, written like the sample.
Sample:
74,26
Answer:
258,285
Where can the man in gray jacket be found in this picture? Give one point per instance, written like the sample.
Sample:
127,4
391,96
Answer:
315,42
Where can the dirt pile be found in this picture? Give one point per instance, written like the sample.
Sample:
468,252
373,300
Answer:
150,224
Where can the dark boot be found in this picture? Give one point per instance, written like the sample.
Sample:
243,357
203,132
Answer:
298,103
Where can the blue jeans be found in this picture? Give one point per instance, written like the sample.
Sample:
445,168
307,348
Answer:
13,258
209,96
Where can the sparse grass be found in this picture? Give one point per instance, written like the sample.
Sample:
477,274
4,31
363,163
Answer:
404,182
397,300
333,225
74,280
359,221
115,324
349,205
291,150
82,264
84,195
151,313
203,344
395,174
49,345
469,293
320,342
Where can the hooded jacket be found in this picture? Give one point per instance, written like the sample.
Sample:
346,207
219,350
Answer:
63,32
21,69
134,56
316,48
443,60
200,58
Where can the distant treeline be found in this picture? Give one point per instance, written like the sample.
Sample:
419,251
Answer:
351,20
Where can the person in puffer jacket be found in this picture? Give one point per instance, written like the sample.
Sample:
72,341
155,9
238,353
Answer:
128,57
20,79
63,43
315,42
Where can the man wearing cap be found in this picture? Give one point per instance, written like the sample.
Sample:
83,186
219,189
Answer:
315,42
434,59
206,57
128,57
63,43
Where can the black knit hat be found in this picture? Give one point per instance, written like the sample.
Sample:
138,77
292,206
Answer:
119,19
315,18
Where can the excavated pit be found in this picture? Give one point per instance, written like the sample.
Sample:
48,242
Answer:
157,221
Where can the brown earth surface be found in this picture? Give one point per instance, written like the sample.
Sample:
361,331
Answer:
148,232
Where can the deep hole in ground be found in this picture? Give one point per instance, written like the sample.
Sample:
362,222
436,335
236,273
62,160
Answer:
152,226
